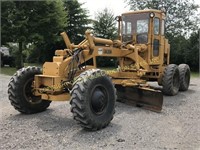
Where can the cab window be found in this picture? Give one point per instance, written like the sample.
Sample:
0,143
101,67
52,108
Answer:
156,26
129,27
163,27
135,25
142,26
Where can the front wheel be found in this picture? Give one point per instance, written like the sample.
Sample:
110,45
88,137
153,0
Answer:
93,99
20,92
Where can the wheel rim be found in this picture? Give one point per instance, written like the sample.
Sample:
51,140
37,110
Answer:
176,81
28,93
99,99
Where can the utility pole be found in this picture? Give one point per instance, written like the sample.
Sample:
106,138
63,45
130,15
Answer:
199,52
0,43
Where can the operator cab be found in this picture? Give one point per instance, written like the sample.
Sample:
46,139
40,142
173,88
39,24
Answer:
139,26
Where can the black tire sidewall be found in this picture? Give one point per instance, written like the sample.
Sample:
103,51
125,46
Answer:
175,76
171,72
17,95
109,110
23,80
184,70
89,117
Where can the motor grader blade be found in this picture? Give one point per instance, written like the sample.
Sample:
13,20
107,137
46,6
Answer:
141,97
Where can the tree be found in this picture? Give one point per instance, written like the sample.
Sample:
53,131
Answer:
77,20
104,24
181,15
33,22
192,54
179,47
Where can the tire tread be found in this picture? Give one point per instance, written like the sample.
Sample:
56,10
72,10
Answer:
13,91
78,96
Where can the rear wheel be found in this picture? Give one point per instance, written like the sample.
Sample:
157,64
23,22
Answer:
93,99
20,91
170,80
184,71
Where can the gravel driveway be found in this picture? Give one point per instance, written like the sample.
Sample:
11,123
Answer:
176,127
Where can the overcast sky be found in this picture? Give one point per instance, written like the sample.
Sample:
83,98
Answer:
117,6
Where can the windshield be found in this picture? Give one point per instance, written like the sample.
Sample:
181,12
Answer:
135,24
142,26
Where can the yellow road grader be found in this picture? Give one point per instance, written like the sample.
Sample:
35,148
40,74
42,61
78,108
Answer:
143,55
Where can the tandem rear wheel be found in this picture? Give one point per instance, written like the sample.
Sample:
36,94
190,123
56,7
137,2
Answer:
175,79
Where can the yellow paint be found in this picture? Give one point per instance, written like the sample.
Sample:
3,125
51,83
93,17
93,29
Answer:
136,61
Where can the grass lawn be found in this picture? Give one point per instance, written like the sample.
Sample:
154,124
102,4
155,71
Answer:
7,70
10,71
32,64
195,74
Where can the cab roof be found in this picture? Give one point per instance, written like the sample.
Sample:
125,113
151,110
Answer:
143,11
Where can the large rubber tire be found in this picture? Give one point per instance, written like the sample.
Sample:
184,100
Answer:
20,92
93,99
170,80
184,71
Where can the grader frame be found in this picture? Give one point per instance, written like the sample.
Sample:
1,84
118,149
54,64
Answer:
143,55
134,68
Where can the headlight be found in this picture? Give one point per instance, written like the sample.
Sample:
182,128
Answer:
152,15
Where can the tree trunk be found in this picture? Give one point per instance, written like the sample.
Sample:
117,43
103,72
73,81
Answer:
19,59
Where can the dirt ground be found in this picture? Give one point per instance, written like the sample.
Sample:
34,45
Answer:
176,127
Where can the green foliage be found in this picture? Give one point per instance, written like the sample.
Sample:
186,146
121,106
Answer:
181,15
48,19
104,24
77,20
185,50
36,22
6,23
178,48
192,53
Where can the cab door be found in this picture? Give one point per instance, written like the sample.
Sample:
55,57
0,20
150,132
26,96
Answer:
156,41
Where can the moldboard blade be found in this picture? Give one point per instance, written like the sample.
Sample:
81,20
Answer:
142,97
